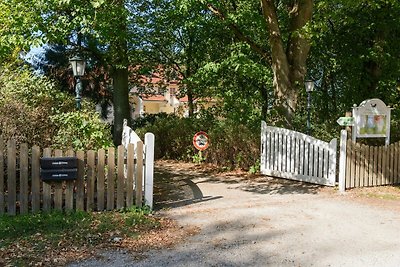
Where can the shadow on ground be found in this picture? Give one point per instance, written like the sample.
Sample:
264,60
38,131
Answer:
176,184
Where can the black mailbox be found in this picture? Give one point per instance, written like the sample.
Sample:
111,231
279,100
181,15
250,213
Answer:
59,168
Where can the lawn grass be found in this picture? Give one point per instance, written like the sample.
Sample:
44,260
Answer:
48,238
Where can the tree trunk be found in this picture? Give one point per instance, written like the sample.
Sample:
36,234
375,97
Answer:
120,74
121,102
289,66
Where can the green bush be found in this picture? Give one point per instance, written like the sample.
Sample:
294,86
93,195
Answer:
232,145
36,112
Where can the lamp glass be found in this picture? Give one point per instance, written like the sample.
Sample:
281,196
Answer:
78,66
309,86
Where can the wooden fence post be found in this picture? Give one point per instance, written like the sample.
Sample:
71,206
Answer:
46,186
58,186
111,178
120,177
149,141
101,154
69,189
91,176
342,161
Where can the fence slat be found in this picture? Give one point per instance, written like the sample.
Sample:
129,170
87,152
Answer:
348,163
46,185
58,187
362,165
365,158
391,164
130,162
80,183
139,174
297,156
24,168
315,164
35,179
357,165
1,176
149,171
90,179
380,170
11,177
69,188
110,178
302,154
370,165
284,153
306,157
321,162
100,179
120,177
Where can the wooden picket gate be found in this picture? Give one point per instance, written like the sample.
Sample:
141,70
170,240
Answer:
362,165
293,155
107,179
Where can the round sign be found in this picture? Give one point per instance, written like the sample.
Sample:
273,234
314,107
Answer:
201,141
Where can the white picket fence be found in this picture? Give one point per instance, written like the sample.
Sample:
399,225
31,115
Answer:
129,136
294,155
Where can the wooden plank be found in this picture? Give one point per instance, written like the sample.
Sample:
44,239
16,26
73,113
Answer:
297,155
306,157
58,187
321,163
316,159
385,161
35,179
120,177
357,164
284,153
80,183
353,165
375,166
349,147
279,152
2,202
23,174
362,165
272,152
332,162
370,166
101,154
292,153
69,187
139,174
130,162
91,176
111,179
366,165
301,155
47,186
11,177
379,172
391,164
310,159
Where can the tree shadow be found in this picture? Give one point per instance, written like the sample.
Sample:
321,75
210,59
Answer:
176,186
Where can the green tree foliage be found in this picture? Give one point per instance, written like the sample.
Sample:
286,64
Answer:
36,112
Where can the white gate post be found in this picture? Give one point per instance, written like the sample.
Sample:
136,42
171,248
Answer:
263,162
332,161
342,161
149,171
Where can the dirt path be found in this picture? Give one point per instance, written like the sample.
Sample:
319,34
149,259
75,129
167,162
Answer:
261,221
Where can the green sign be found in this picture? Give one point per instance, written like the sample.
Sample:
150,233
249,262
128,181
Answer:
346,121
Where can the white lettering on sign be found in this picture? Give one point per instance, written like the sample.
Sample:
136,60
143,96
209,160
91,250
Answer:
59,175
59,163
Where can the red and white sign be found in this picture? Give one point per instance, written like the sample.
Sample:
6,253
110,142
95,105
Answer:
201,141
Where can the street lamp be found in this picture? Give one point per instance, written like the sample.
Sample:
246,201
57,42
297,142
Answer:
309,88
78,67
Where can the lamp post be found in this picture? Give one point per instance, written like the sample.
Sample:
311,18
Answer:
309,88
78,67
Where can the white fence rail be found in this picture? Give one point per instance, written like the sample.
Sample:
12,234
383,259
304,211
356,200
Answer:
293,155
129,136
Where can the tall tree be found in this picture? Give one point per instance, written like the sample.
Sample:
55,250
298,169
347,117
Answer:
284,24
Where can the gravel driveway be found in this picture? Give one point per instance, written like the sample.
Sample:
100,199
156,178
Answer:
261,221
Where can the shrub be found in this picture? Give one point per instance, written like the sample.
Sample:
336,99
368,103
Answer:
232,145
34,111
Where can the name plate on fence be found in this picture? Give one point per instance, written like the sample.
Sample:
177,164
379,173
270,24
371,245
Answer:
58,168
